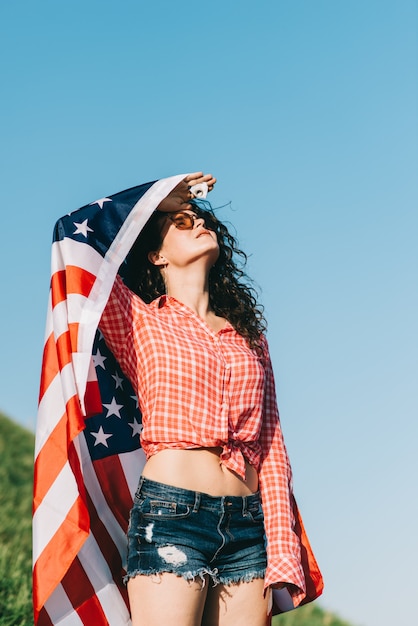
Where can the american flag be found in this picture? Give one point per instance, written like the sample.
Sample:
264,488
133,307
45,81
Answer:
87,458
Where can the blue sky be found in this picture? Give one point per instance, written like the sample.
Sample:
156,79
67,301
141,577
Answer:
306,111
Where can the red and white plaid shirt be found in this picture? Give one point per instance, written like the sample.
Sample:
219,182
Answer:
200,388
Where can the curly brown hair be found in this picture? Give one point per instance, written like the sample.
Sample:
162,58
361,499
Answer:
231,292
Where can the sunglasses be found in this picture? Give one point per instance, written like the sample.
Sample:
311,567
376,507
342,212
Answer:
183,220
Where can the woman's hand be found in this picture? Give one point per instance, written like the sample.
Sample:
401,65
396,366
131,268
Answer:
179,198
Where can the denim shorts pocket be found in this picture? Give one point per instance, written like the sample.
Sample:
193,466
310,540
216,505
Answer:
256,514
164,509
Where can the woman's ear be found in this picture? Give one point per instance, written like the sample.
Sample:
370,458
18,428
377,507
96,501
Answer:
156,259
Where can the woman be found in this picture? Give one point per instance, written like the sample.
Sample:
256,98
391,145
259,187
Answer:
217,481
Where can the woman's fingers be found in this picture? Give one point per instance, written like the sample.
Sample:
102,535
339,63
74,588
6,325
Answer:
198,177
179,198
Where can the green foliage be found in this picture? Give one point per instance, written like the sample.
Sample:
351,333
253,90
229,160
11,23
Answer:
309,615
16,477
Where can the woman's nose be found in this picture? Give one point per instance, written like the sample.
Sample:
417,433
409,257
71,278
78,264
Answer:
199,221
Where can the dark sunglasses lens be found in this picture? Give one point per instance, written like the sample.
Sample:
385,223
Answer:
183,221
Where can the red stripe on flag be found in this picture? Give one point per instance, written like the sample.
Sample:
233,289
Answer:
75,423
82,595
56,355
50,462
115,489
74,462
57,556
314,582
93,400
44,619
55,451
108,549
49,365
71,280
66,344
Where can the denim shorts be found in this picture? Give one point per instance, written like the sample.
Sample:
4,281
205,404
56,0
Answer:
195,535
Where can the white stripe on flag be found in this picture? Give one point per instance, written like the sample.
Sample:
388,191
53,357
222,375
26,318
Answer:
114,606
132,464
53,509
60,609
52,405
76,253
99,501
49,319
100,577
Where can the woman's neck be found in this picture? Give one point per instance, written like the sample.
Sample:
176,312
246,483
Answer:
189,286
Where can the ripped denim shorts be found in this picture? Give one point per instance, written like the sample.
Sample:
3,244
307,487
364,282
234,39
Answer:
195,535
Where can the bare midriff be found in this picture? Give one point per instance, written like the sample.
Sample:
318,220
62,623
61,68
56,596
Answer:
199,469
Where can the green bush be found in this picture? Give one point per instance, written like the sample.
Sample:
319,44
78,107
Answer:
309,615
16,478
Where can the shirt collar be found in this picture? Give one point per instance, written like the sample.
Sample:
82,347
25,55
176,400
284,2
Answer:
170,302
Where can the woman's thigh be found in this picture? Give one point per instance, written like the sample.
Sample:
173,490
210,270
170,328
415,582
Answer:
242,603
166,599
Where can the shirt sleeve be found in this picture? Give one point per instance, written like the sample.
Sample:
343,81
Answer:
283,547
122,310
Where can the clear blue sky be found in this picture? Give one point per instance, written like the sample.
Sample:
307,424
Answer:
306,111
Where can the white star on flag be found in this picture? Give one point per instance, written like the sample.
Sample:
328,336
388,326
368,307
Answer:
136,427
99,359
113,408
135,399
101,202
118,380
82,228
101,437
